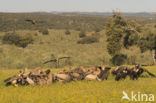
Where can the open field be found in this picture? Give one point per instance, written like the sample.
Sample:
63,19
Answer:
81,40
58,44
108,91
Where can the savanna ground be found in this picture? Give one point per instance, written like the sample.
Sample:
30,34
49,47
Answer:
58,44
108,91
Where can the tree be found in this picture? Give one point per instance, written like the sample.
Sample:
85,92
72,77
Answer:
119,59
121,33
148,42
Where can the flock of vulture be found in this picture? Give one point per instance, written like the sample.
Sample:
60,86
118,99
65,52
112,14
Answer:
99,73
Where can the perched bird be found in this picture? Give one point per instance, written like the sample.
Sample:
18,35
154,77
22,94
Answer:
31,21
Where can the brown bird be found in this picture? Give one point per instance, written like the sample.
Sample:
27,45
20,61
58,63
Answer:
31,21
56,61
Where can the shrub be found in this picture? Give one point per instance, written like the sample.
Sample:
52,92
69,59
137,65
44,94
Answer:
44,31
88,40
119,59
82,34
67,32
18,40
97,29
35,34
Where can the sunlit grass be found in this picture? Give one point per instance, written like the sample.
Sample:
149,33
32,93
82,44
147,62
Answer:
108,91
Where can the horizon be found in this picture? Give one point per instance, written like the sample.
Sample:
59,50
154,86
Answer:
72,12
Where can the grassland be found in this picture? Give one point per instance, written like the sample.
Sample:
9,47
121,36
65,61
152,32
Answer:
59,44
108,91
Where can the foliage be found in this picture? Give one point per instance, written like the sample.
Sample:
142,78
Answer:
35,34
17,39
114,31
120,33
147,42
48,20
67,32
60,44
44,31
82,34
119,59
16,21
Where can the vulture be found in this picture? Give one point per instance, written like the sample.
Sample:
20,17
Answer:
31,21
56,60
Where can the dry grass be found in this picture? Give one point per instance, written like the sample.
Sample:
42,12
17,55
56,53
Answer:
59,44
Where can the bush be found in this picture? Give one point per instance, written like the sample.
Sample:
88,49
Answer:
44,31
67,32
88,40
82,34
18,40
35,34
97,29
119,59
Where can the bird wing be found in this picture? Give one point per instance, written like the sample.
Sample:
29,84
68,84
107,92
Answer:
53,60
32,21
63,57
28,20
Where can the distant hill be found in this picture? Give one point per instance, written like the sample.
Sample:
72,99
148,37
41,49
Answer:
139,14
64,20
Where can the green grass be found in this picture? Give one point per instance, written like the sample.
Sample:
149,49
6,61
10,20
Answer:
108,91
59,44
56,43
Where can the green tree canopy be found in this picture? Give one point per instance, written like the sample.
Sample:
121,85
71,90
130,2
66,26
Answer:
121,33
147,42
